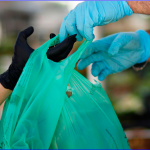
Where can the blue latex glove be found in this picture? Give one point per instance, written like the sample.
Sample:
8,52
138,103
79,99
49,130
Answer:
131,48
89,14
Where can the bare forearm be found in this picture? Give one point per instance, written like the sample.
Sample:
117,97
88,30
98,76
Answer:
140,7
4,93
148,31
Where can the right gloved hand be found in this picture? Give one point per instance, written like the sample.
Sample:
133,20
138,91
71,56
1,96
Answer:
22,52
89,14
129,48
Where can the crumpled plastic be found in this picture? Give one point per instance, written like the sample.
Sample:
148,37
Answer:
40,115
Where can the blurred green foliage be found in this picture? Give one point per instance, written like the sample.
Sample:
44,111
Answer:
7,45
127,90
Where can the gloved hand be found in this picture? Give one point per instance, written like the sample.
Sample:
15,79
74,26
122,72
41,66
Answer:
130,48
89,14
22,52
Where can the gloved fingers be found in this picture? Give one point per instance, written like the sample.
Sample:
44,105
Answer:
88,29
63,34
120,41
80,20
83,63
61,50
88,51
88,32
22,40
110,38
97,67
94,47
71,26
103,74
23,35
102,44
52,35
57,57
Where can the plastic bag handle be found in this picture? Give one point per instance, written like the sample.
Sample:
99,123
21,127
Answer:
74,57
77,54
49,43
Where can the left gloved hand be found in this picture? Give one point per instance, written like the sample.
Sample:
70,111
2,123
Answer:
129,48
22,52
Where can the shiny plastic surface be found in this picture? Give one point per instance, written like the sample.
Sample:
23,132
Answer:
39,115
88,120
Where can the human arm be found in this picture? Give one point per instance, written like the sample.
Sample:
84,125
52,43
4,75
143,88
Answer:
130,48
140,7
4,93
22,52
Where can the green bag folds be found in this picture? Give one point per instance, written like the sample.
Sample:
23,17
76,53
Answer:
39,114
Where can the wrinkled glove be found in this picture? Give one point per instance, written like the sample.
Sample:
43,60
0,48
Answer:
22,52
130,48
89,14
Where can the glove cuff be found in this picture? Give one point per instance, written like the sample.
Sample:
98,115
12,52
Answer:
145,40
9,78
140,66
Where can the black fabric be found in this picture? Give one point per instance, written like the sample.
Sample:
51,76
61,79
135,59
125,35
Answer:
61,51
9,78
22,52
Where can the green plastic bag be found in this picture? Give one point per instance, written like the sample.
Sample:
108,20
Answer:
88,120
39,115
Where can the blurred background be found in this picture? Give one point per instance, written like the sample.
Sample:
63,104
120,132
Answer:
129,91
